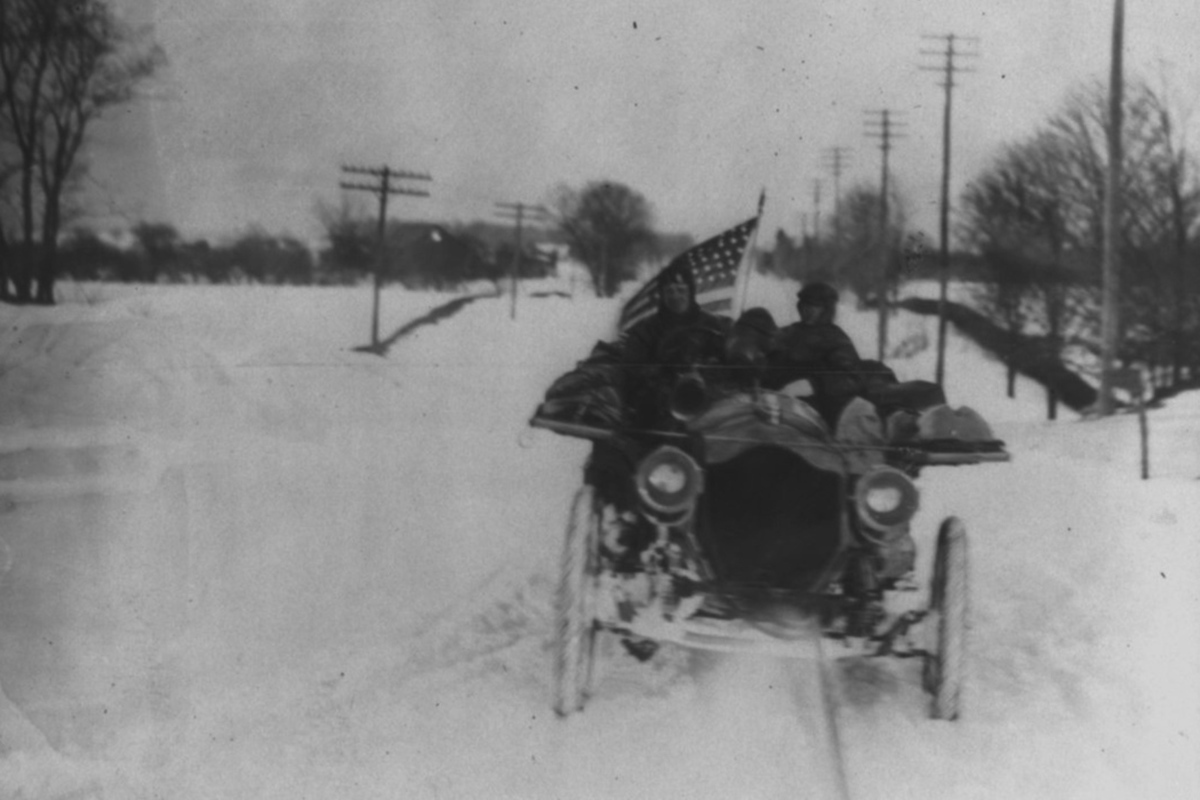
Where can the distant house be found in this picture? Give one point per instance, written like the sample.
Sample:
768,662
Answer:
425,255
122,239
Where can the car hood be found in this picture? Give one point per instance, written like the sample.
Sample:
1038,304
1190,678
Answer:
739,422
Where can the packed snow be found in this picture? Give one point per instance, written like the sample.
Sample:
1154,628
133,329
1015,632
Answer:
241,559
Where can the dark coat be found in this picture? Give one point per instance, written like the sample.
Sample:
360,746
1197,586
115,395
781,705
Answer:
656,350
674,340
823,354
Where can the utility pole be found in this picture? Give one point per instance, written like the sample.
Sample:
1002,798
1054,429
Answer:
517,212
836,161
816,211
383,189
881,126
1110,261
948,69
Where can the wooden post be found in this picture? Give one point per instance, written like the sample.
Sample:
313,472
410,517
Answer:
1144,430
883,129
383,189
1110,325
948,70
517,213
1130,380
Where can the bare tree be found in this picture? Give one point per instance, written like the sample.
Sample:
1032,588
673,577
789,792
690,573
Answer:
1035,214
62,64
858,251
867,259
1160,209
160,244
350,239
1175,200
23,67
1013,216
608,227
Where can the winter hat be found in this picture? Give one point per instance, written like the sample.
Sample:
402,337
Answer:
818,294
757,320
747,343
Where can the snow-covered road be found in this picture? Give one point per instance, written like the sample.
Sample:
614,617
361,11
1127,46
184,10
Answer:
241,560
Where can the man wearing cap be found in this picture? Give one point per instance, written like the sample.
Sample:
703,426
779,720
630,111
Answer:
678,329
677,337
817,350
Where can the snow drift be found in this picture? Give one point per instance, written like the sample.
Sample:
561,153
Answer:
241,559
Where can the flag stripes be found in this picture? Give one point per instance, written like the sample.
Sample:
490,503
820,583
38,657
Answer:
715,263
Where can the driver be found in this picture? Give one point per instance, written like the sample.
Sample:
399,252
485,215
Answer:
818,350
678,336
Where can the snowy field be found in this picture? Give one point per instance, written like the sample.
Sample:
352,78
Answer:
241,560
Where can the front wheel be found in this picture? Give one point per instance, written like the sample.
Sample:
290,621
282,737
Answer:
945,668
574,625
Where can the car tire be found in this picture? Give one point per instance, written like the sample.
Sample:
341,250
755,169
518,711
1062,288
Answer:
945,668
574,623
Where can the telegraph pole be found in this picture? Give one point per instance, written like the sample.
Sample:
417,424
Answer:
1110,261
948,69
881,126
383,189
517,212
816,211
836,161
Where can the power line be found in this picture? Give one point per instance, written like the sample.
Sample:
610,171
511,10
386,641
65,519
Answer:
837,159
383,189
880,125
1110,254
949,68
816,210
519,213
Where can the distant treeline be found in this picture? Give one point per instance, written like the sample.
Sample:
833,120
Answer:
417,256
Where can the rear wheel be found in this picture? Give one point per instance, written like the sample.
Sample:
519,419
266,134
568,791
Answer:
574,624
945,667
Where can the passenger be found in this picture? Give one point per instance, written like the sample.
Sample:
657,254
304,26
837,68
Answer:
680,331
746,348
676,338
897,403
649,356
818,350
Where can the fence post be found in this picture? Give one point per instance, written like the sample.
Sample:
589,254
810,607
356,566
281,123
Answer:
1130,379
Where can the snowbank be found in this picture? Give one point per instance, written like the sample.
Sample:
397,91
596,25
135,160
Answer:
244,560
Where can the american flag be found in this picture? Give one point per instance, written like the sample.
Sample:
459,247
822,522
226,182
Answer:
715,264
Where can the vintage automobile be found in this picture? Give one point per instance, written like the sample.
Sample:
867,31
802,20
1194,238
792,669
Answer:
743,520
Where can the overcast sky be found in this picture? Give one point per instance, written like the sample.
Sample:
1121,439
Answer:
697,104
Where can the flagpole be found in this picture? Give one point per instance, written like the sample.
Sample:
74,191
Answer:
740,305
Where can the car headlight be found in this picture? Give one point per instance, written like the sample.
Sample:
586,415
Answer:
886,498
883,499
669,480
